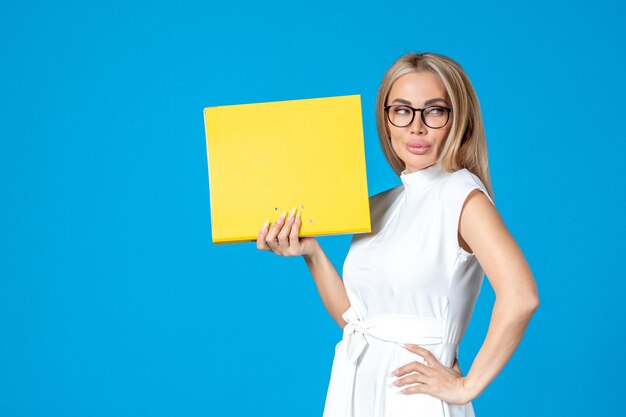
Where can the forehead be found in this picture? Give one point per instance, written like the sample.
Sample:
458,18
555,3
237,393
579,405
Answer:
417,87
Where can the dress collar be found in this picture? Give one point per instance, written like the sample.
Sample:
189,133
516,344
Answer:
423,177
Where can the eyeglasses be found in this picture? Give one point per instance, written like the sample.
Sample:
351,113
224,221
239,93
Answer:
401,115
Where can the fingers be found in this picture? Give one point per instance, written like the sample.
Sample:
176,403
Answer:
282,236
294,241
412,367
260,239
412,379
430,359
417,389
271,237
432,378
267,236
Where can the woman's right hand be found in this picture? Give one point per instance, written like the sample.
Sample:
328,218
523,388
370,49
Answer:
282,237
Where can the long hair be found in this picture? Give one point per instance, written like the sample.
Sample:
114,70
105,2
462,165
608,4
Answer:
466,144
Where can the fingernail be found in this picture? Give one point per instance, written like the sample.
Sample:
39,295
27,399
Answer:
395,373
282,216
291,213
267,222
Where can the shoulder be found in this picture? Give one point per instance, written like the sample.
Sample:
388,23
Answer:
462,177
461,183
386,195
380,202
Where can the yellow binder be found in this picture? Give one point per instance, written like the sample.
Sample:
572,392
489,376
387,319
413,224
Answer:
265,158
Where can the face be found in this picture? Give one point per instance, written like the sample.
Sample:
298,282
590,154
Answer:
418,145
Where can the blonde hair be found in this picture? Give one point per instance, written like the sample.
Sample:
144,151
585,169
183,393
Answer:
466,144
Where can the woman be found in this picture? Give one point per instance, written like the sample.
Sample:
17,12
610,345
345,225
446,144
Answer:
409,287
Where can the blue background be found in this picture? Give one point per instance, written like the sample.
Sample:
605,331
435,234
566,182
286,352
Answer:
114,301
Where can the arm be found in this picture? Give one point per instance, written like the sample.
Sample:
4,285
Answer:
329,284
282,238
516,300
508,272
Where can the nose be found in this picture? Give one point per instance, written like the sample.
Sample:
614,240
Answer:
417,126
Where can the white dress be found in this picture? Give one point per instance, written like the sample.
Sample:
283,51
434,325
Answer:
408,281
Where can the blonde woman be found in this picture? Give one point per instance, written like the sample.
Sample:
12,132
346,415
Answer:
409,287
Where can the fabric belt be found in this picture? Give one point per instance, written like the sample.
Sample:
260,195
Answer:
390,328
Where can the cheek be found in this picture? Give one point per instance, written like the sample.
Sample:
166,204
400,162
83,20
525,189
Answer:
396,133
395,140
442,137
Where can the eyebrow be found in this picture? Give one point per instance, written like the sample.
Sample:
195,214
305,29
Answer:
426,103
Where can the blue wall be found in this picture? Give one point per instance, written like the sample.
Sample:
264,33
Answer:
114,301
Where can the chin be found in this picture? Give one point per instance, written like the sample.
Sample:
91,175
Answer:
416,162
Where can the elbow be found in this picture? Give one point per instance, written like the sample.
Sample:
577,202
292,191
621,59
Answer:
525,304
531,303
525,308
533,300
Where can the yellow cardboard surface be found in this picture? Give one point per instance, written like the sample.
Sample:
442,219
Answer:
265,158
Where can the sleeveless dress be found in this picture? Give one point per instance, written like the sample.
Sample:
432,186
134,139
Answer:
408,281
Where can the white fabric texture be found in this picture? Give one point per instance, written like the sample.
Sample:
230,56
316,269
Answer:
408,281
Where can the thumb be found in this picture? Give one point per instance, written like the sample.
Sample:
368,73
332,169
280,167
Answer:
456,366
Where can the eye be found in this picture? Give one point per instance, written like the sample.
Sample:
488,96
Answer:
436,111
401,110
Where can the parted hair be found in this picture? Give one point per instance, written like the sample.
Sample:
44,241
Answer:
466,144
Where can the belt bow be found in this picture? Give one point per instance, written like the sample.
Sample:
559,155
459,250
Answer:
390,328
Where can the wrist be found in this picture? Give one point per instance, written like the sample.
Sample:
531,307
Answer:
469,391
313,253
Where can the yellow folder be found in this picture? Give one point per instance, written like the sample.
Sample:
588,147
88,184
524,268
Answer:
265,158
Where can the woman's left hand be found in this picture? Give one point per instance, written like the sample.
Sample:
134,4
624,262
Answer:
432,378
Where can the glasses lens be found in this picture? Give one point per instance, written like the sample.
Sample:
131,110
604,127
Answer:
400,115
436,117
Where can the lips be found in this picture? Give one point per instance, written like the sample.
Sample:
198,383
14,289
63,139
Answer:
418,147
418,143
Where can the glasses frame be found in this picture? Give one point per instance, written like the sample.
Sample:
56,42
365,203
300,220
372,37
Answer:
421,110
